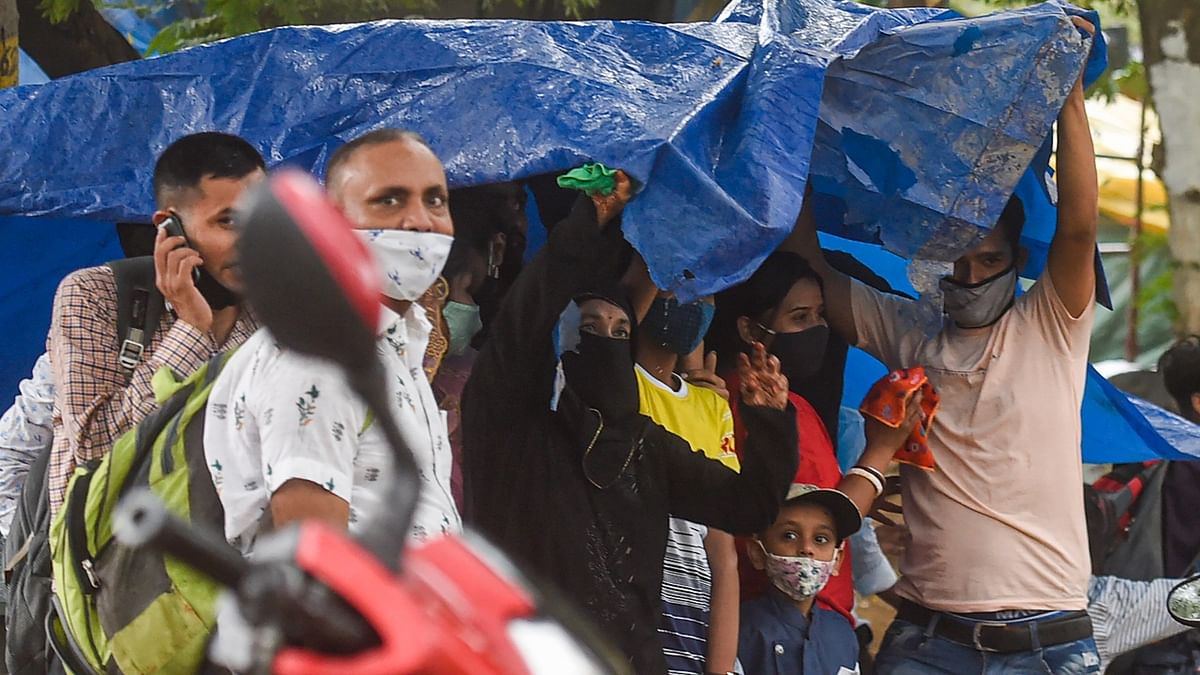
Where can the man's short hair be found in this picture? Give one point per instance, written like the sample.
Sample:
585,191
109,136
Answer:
378,137
209,154
1180,369
1012,221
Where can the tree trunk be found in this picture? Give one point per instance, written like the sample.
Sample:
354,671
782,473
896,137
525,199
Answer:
9,61
1171,41
82,42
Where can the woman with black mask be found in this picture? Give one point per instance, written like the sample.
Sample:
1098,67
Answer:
782,306
562,472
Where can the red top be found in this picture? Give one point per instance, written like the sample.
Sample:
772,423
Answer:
818,466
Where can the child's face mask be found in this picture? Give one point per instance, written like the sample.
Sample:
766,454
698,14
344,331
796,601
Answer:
798,577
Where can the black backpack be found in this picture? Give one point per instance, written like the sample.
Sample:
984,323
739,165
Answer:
27,551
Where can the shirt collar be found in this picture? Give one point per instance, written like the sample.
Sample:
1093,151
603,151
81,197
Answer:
413,326
787,612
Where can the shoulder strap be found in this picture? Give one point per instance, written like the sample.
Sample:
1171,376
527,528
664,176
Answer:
139,309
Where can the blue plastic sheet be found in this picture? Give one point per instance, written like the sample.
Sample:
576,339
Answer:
922,121
35,255
718,120
28,71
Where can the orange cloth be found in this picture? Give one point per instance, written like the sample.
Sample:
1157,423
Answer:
888,402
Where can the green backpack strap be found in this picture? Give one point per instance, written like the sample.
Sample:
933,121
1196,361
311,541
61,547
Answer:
140,306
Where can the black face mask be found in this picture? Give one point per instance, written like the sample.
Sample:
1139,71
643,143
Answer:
802,353
601,374
217,295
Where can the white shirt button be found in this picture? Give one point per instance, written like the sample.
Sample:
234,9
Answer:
779,649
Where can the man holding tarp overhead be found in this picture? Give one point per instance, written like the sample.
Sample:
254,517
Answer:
996,576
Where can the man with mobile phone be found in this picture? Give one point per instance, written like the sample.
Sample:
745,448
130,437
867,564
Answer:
197,181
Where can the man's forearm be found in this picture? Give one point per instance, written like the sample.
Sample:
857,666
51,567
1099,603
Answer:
803,241
1078,188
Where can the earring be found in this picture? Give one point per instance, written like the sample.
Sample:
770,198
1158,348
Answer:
493,267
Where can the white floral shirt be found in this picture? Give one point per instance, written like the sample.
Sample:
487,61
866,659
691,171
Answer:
26,429
275,415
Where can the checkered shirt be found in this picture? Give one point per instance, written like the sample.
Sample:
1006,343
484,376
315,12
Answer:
93,405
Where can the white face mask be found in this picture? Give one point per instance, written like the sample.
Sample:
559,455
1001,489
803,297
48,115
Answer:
410,261
798,577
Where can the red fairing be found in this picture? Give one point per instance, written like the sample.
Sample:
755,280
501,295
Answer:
407,637
447,614
332,237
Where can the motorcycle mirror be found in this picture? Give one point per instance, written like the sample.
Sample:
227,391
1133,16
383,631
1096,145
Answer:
307,275
1183,602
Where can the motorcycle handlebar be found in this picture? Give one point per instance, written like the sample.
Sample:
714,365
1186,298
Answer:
142,520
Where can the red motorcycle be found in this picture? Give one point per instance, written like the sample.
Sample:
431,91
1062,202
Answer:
318,600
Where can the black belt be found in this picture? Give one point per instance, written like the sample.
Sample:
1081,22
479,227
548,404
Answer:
998,636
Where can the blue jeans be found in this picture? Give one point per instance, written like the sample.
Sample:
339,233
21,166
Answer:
907,650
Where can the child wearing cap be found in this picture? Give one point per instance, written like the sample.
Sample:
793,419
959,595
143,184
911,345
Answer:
782,632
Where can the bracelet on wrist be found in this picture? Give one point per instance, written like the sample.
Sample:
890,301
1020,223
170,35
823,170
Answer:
869,477
874,472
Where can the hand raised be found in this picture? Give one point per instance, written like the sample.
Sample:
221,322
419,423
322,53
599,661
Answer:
762,382
610,206
707,376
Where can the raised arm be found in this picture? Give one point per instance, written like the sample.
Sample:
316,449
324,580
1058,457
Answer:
705,491
839,311
1071,263
640,286
581,253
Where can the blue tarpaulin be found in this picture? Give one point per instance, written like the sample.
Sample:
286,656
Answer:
916,125
716,119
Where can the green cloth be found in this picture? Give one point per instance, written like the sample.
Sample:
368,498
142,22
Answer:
590,178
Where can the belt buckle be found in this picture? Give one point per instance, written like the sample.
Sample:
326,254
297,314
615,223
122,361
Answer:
977,631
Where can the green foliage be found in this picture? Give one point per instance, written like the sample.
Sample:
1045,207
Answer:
1121,7
1154,295
57,11
1129,81
227,18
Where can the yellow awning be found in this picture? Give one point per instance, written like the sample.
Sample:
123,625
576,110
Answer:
1115,133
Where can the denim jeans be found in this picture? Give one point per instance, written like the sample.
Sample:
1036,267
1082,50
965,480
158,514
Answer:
907,650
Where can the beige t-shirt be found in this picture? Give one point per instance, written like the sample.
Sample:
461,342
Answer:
999,524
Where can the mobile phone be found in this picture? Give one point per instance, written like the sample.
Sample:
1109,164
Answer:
174,228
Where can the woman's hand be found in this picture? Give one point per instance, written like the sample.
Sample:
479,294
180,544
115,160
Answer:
762,382
610,206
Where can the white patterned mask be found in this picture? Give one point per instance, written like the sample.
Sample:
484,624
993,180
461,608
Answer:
798,577
410,261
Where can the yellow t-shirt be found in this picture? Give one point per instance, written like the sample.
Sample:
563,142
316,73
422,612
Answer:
697,415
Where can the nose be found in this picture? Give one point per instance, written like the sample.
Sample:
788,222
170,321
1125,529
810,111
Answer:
807,548
607,329
416,219
967,272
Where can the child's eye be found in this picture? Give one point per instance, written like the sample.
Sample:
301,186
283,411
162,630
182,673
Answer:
822,539
790,536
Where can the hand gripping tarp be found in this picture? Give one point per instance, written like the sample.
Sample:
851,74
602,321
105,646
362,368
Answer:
926,123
